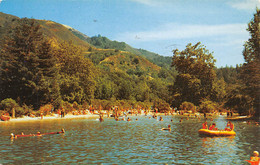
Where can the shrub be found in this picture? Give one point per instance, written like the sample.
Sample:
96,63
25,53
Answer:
207,106
8,105
19,112
46,109
67,106
27,109
187,106
161,105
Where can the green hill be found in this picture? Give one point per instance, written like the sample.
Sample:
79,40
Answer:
104,43
103,53
52,30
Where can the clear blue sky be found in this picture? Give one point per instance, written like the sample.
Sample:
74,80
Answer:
155,25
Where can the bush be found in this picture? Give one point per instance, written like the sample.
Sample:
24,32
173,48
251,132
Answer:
161,105
67,106
46,109
8,105
27,109
19,112
187,106
207,106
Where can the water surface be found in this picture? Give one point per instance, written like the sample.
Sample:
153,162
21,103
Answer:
87,141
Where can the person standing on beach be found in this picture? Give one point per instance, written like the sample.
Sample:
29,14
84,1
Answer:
41,115
62,113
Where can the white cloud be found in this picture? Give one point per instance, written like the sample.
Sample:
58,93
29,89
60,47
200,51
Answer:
245,4
184,31
1,1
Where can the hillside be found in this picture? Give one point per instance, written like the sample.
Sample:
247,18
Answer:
59,33
114,60
52,30
104,43
111,54
7,22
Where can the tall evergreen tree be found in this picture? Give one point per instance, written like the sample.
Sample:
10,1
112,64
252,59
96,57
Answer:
27,69
251,67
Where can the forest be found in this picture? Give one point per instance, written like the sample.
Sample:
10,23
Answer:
39,71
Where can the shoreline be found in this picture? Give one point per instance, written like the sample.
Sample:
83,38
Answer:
67,116
96,116
54,117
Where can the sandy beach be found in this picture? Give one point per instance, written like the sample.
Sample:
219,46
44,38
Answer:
67,116
54,117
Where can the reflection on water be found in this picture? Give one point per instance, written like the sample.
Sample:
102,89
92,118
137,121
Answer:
88,141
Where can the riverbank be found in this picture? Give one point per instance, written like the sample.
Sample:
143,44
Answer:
95,115
53,117
67,116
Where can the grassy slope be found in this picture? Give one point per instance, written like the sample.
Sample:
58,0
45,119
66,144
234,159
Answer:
52,30
58,33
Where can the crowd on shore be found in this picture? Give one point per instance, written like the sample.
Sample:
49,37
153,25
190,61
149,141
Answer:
117,113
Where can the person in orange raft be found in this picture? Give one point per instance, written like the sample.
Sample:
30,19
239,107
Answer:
213,127
254,160
230,125
205,125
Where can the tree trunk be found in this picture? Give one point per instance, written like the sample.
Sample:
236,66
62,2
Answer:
13,113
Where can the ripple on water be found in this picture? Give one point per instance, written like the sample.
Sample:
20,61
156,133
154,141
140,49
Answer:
136,142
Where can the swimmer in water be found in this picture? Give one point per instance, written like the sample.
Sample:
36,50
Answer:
254,160
255,157
161,119
12,136
169,128
101,118
38,134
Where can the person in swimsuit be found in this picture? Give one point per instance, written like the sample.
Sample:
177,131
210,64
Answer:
254,160
230,125
169,128
205,125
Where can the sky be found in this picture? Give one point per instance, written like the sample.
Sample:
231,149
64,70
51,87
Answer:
159,26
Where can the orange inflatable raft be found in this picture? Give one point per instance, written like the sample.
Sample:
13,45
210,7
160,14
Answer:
207,132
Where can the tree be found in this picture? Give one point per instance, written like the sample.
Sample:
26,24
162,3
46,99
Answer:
141,91
251,68
104,88
196,73
219,91
125,90
28,72
187,106
77,74
207,106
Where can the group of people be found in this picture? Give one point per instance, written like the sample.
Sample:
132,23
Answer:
12,135
229,127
